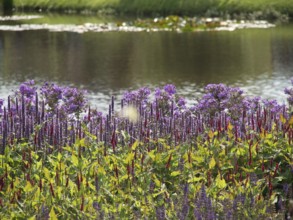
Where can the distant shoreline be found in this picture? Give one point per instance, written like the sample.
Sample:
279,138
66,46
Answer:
246,9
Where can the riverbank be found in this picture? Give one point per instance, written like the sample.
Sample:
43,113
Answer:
259,9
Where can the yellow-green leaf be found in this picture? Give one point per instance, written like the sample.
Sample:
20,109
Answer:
74,160
175,173
135,145
47,173
221,183
129,158
212,163
101,170
59,156
52,214
211,134
282,119
290,122
195,179
28,187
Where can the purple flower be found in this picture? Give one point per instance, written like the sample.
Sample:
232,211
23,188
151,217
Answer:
27,89
170,89
158,92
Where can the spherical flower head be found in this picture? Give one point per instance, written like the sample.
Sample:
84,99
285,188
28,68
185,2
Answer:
170,89
181,102
158,92
28,88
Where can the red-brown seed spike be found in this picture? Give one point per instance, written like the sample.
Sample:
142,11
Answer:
40,184
189,156
82,203
81,177
11,184
169,161
78,182
89,114
18,194
52,190
132,167
57,177
67,182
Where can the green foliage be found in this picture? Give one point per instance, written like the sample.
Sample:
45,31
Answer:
92,181
152,7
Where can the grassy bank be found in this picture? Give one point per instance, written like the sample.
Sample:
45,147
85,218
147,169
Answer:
154,7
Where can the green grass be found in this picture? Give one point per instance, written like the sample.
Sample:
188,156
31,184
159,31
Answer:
186,7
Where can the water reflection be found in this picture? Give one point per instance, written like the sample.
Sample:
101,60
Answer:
259,61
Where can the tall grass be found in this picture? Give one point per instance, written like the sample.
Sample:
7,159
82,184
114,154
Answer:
186,7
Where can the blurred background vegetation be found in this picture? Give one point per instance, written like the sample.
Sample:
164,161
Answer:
162,7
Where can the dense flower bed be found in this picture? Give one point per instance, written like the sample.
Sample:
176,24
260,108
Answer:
226,157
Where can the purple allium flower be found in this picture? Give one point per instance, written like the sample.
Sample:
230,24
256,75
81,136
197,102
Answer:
181,102
52,95
170,89
27,89
273,106
74,100
289,92
158,92
138,96
219,97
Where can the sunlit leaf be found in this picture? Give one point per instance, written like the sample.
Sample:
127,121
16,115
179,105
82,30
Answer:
175,173
195,179
211,134
46,173
129,158
52,214
28,187
74,160
283,119
59,156
212,163
135,145
290,122
220,183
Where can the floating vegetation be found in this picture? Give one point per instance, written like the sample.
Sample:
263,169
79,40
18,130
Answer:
170,23
19,17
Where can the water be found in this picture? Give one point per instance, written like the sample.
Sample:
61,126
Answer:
260,61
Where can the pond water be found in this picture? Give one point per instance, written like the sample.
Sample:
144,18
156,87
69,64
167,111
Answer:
260,61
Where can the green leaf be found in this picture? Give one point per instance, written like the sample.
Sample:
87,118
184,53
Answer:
129,158
59,157
52,214
47,173
175,173
135,145
82,142
212,163
74,160
211,134
221,183
28,187
195,179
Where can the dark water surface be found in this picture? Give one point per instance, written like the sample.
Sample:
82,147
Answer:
258,60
